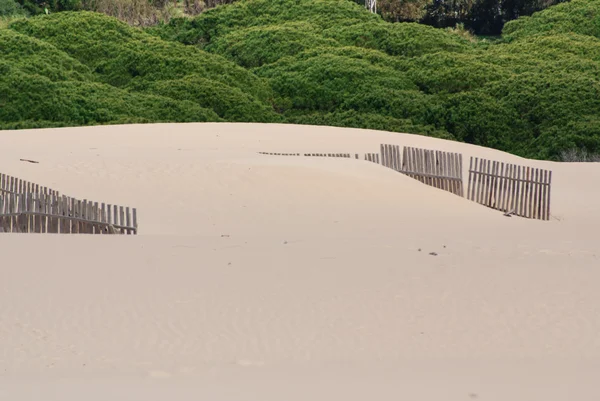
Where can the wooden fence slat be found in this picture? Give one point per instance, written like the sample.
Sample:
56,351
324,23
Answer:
476,178
426,166
96,218
442,168
520,190
541,189
470,178
122,218
481,186
419,164
128,216
543,195
103,218
494,188
44,210
452,187
135,223
531,197
534,203
430,164
548,200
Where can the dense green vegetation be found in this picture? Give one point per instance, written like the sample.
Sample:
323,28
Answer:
535,92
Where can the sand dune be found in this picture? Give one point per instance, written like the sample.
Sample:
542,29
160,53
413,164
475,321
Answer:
264,277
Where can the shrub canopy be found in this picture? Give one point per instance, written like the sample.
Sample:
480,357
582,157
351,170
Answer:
535,93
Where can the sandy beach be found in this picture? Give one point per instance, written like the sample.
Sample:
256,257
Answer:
258,277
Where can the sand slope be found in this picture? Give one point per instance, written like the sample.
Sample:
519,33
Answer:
265,277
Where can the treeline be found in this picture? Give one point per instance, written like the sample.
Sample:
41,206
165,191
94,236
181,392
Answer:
482,17
535,92
134,12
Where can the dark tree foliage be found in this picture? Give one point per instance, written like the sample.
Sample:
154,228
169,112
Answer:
35,7
10,8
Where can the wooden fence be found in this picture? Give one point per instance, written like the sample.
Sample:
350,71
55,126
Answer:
519,190
13,185
390,156
438,169
344,155
41,213
372,157
513,189
26,207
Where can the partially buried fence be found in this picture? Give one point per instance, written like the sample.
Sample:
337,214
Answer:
435,168
513,189
345,155
28,208
13,185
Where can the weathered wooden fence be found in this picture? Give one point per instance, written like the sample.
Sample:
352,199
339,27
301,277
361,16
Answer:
32,212
26,207
438,169
13,185
372,157
513,189
344,155
519,190
390,156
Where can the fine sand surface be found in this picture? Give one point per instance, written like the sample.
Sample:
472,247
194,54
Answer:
258,277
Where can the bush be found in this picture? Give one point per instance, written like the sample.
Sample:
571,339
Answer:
577,16
324,80
111,72
10,8
325,62
406,39
228,103
37,98
256,46
121,55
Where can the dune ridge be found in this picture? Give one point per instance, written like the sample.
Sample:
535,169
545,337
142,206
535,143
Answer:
267,277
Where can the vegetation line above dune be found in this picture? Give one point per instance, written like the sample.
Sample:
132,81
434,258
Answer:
535,92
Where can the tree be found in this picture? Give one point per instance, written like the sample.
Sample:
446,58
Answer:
403,10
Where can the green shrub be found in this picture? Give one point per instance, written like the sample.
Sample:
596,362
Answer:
37,98
120,54
323,82
577,16
10,8
256,46
228,103
36,57
406,39
452,72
